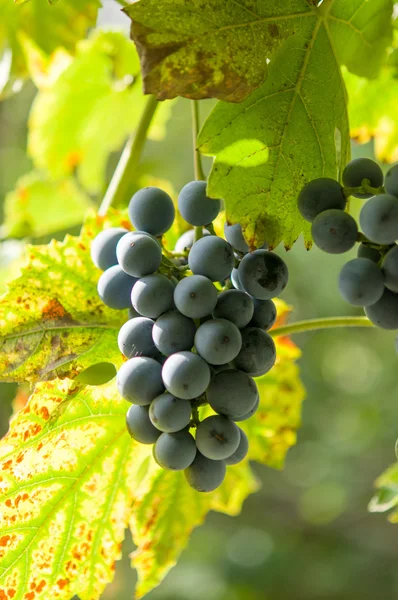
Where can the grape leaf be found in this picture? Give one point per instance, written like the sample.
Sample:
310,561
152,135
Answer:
372,111
220,49
86,107
40,206
386,497
52,321
213,49
71,480
294,127
48,26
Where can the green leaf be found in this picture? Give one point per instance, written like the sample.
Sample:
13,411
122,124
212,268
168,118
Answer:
217,49
40,206
293,128
386,497
86,107
72,479
52,321
372,111
47,26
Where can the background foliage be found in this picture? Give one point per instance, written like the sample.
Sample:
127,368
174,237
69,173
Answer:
308,521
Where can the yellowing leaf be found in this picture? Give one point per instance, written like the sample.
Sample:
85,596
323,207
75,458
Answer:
294,127
52,321
86,108
372,110
47,26
40,206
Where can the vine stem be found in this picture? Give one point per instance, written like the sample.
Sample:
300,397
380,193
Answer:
118,188
314,324
197,161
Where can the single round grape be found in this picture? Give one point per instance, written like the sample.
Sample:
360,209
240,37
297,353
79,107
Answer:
217,437
263,274
258,353
195,296
195,206
97,374
334,231
264,315
173,332
384,313
236,280
170,414
234,235
365,251
391,181
390,269
232,393
218,341
114,288
241,451
139,254
103,247
186,240
175,451
204,474
361,282
236,306
379,219
211,257
320,195
249,413
359,169
139,425
186,375
135,338
151,210
139,380
153,295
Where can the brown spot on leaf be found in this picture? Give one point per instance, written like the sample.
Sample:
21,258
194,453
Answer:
61,583
4,540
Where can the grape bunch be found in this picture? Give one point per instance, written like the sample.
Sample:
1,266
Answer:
371,279
197,333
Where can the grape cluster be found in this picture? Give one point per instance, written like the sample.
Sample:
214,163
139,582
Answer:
371,279
197,333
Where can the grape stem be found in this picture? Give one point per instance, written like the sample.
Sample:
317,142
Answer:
126,170
314,324
364,188
197,160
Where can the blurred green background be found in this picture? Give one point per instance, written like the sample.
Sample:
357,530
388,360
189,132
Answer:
307,534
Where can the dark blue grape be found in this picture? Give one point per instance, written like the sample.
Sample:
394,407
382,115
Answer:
391,181
249,413
153,295
103,247
139,254
236,280
384,313
320,195
390,269
241,451
236,306
204,474
258,352
114,288
173,332
195,296
139,425
186,375
218,341
334,231
186,240
264,315
361,282
217,437
195,206
234,236
152,210
211,257
175,451
232,393
379,219
135,338
263,274
170,414
139,380
359,169
372,254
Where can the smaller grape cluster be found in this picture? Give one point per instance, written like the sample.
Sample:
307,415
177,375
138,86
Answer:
197,333
371,279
